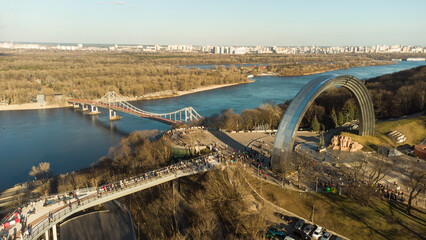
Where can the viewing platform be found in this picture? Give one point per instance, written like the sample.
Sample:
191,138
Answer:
45,213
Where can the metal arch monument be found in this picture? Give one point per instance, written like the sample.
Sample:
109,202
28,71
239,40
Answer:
289,124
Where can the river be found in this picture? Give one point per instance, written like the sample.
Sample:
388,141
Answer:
70,140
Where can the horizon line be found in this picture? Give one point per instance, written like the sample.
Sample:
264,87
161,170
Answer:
162,44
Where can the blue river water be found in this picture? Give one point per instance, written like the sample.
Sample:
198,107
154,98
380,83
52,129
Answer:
70,140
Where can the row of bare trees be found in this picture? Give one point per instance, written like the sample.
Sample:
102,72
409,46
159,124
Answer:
360,178
267,116
209,206
141,151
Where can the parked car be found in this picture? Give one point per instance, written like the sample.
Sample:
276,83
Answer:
291,219
339,238
288,238
299,224
279,215
273,232
317,233
300,234
281,226
325,236
308,229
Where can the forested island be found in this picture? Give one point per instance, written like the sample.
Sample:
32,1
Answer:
60,75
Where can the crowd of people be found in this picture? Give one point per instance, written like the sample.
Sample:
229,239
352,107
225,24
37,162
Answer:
196,164
329,179
75,197
391,191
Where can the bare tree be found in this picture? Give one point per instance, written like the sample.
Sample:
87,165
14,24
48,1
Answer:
417,183
366,174
381,167
41,172
302,163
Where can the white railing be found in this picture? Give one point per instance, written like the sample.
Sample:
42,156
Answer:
134,184
112,99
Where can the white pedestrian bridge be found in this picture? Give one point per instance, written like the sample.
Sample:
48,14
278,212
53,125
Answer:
39,218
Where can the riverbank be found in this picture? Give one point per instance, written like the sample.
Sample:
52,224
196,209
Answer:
381,63
36,106
30,106
182,93
208,88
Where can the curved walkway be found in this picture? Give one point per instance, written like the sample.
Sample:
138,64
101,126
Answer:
37,215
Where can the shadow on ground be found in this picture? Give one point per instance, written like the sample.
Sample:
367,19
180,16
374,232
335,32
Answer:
113,224
395,215
228,140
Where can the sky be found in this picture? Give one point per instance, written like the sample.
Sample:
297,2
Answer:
216,22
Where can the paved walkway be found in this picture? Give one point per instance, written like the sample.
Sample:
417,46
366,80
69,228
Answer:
35,215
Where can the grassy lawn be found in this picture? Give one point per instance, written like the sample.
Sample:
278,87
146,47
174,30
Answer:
413,128
383,220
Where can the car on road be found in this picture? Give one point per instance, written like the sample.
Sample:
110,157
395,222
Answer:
325,236
308,229
317,233
299,224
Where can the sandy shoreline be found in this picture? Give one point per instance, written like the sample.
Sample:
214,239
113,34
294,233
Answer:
35,106
207,88
30,106
182,93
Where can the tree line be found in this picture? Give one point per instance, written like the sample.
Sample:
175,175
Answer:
398,94
24,75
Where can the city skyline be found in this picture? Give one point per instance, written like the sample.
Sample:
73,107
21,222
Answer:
398,48
238,23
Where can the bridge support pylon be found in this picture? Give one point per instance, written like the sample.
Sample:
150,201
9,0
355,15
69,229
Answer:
113,115
84,107
46,234
93,110
75,105
54,233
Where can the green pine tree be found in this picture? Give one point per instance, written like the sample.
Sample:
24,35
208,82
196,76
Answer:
348,111
321,142
315,125
340,118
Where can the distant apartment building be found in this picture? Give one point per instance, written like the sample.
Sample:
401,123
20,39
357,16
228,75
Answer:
40,100
314,49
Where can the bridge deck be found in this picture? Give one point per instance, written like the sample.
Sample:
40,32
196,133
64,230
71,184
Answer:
120,109
39,221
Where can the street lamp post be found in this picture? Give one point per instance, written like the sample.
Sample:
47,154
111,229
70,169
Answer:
316,185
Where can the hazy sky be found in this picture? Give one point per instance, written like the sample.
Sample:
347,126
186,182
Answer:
215,22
